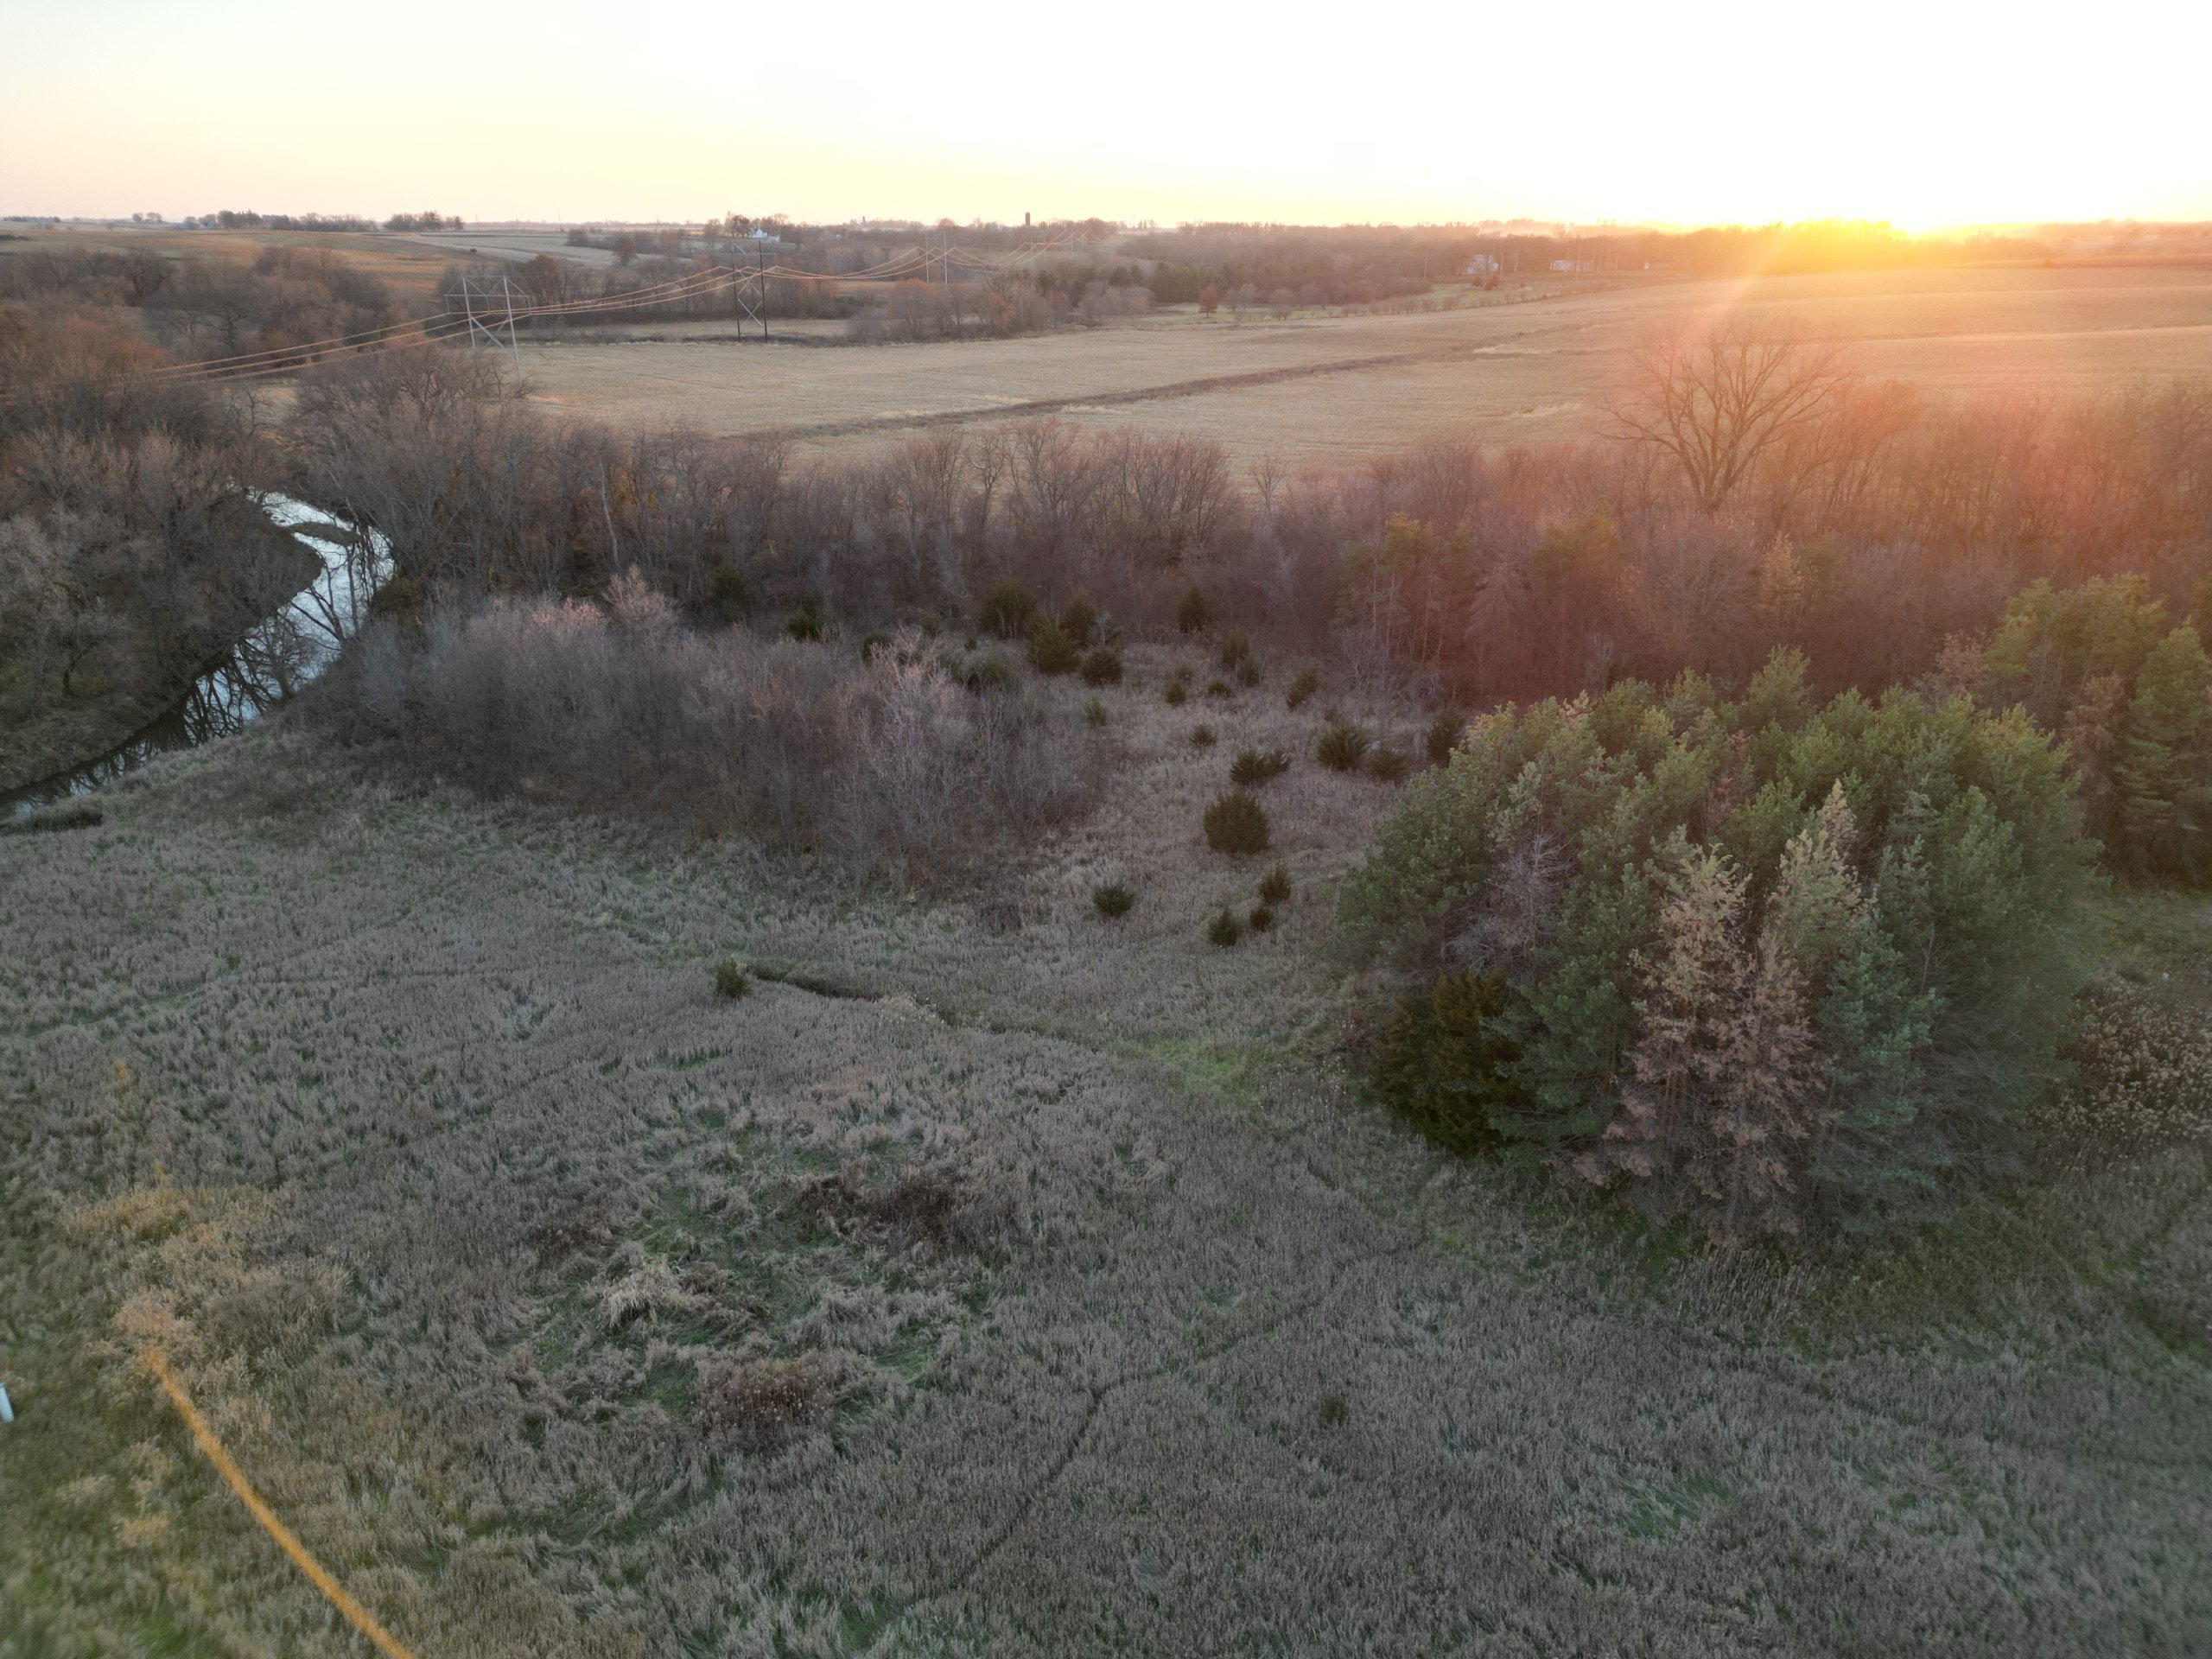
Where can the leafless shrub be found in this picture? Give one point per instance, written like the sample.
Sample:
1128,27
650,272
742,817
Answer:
2143,1082
885,765
651,1290
761,1403
932,1206
567,1234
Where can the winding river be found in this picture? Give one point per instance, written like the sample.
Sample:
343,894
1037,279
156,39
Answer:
279,655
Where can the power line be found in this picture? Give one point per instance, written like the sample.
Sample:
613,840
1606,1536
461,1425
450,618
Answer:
750,286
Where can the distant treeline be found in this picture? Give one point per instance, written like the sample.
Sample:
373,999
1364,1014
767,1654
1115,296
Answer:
232,219
205,308
1228,256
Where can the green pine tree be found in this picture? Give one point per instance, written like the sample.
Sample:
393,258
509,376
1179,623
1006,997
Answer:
2165,776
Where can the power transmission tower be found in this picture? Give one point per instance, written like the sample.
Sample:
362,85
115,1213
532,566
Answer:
752,289
490,322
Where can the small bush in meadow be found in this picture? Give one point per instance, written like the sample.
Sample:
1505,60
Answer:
1236,824
1078,617
1177,692
1051,650
1113,900
731,981
1275,886
983,673
1225,930
872,642
1443,735
1253,768
1303,685
1201,737
763,1402
2142,1078
726,596
1094,713
1237,658
1341,747
1101,666
1444,1060
1220,687
806,621
1389,763
1262,919
1193,614
1007,610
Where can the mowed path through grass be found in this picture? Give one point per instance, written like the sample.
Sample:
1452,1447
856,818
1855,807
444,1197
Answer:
1307,388
415,1133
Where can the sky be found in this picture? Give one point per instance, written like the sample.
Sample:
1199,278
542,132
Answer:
1926,114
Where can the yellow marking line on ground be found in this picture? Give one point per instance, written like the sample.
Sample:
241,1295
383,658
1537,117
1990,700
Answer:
204,1437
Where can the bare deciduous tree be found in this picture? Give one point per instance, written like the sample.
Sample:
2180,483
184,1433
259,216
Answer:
1717,401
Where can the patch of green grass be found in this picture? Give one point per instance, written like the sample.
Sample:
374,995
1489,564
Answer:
1655,1510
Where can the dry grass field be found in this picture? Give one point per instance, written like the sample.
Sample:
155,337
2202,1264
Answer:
411,264
1334,388
989,1280
514,245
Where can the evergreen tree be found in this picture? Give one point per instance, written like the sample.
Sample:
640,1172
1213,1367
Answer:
1795,969
2091,732
1725,1082
2164,778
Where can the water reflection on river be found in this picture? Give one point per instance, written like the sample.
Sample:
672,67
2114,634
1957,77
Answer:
278,656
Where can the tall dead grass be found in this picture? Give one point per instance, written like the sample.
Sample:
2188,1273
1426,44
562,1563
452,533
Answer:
561,1307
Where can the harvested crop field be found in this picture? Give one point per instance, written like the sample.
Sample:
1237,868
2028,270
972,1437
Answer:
988,1278
412,265
1312,388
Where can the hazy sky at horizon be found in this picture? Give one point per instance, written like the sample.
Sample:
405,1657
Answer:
1925,114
